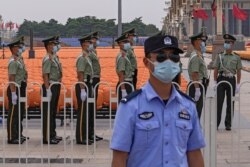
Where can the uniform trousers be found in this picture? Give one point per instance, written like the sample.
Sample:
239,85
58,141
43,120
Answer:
13,114
51,125
222,90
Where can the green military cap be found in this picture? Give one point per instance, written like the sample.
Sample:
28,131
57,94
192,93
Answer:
130,32
54,39
85,38
159,33
229,37
21,39
95,34
122,38
16,42
200,35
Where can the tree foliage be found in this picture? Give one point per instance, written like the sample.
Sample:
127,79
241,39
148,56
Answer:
76,27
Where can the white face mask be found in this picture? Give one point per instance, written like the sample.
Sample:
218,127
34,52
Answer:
19,52
91,47
55,49
126,46
58,47
165,71
97,43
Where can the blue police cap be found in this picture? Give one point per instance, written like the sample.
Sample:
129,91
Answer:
159,42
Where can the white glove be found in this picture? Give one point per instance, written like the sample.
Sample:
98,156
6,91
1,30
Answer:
215,85
124,93
197,94
237,90
49,94
13,98
83,95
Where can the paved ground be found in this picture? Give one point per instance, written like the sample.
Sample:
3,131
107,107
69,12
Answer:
232,149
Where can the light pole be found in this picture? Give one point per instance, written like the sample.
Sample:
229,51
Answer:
119,17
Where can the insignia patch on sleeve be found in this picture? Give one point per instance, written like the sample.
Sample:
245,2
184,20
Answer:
146,115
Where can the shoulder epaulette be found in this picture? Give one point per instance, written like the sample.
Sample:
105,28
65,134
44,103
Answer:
186,96
45,58
236,53
11,60
131,96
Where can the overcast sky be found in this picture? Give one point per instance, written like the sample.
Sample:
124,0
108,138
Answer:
17,10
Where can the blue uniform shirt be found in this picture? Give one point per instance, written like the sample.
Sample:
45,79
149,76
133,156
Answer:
155,134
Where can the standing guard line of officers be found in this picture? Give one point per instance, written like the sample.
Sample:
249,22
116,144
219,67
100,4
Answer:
227,65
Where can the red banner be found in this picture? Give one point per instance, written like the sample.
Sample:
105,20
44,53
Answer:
239,13
200,13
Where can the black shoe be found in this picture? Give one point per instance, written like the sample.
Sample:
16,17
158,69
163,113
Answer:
24,138
15,141
84,142
51,141
228,128
97,138
58,138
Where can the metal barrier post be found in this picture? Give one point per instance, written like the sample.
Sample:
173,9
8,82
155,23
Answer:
214,128
2,99
41,90
95,104
239,120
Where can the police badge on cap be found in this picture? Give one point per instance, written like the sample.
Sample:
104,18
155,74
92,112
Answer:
167,41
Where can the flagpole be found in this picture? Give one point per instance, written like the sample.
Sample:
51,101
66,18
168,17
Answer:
218,40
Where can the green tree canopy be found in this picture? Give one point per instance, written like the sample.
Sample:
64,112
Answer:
76,27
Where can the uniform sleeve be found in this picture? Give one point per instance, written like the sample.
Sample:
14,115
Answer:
123,129
46,67
196,138
121,64
239,64
12,70
81,64
195,64
217,62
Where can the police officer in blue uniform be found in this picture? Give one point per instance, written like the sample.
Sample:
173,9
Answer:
158,125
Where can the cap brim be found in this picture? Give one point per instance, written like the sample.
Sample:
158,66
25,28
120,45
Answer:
125,40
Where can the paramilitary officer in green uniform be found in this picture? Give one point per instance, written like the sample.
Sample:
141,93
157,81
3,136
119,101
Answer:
52,72
132,37
85,73
96,66
21,56
95,60
227,65
123,67
18,74
197,70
